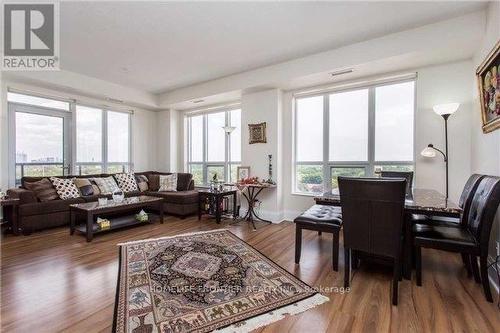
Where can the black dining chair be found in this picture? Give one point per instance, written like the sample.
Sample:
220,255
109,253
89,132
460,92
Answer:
471,238
373,215
464,202
408,175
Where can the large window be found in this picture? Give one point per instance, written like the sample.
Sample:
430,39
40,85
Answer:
102,141
214,145
350,133
52,137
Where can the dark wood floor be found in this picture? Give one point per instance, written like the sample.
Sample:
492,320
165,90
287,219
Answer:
52,281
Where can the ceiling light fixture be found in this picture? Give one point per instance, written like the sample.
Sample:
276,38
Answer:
342,72
198,101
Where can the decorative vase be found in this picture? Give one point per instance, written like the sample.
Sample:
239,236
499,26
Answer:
118,196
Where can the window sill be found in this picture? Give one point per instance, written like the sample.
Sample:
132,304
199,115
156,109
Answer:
302,194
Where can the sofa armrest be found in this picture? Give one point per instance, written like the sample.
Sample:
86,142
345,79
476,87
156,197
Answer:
191,185
24,196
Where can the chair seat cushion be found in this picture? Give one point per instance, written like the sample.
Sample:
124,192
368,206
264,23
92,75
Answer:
321,214
436,220
442,236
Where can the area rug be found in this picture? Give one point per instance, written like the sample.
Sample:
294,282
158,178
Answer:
203,282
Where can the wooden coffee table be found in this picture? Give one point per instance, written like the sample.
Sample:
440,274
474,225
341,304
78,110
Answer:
119,214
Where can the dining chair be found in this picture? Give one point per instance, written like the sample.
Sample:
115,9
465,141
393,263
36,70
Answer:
464,203
408,175
471,238
373,215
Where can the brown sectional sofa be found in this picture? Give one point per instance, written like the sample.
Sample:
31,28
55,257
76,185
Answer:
36,215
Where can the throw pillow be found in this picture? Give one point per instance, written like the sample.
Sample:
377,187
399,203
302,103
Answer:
154,182
168,183
66,188
84,186
142,182
43,189
126,182
106,185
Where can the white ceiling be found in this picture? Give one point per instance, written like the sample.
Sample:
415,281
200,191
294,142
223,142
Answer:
159,47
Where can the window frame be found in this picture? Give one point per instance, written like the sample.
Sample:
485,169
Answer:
326,164
227,143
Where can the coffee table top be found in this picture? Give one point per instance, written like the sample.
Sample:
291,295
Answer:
111,205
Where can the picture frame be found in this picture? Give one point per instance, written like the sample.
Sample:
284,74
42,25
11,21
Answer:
488,79
242,172
257,133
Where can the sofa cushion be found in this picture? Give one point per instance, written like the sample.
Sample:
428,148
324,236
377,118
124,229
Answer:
183,181
66,188
43,189
48,207
154,182
107,185
84,186
168,183
133,194
184,197
126,182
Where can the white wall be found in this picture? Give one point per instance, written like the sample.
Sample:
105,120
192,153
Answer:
258,107
144,128
485,149
437,85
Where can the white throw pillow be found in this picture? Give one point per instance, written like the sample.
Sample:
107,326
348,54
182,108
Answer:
168,183
126,182
66,188
107,185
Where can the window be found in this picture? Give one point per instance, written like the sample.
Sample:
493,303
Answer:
352,132
102,141
37,101
210,149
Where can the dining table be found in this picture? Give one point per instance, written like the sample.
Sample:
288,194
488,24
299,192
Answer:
426,202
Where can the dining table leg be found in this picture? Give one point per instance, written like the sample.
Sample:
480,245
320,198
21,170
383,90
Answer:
408,247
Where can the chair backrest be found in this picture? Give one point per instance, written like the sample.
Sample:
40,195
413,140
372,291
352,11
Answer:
373,214
408,175
467,195
483,209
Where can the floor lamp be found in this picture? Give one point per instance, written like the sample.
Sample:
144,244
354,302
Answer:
228,130
445,111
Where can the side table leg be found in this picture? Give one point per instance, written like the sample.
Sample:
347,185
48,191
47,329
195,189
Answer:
234,207
89,231
200,199
217,209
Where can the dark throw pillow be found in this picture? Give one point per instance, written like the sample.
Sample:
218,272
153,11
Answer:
84,186
43,189
142,182
154,182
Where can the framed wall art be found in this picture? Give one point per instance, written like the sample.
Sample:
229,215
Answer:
488,79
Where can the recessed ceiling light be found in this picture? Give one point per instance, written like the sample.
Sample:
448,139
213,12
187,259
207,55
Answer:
342,71
124,69
199,101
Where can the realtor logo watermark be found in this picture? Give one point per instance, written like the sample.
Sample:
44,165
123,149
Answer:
31,36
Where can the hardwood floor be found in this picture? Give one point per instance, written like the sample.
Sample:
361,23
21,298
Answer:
52,281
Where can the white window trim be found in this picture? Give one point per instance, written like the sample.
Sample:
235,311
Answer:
370,164
227,141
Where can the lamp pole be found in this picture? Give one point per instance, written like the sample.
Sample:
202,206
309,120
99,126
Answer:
445,117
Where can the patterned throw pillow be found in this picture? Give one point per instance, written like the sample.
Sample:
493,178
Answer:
168,183
126,182
142,182
66,188
84,186
107,185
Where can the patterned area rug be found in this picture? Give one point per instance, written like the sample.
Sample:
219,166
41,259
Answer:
203,282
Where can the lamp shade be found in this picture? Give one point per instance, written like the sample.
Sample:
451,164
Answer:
428,152
444,109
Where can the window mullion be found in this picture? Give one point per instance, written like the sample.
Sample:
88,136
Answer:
205,150
104,143
371,131
327,184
